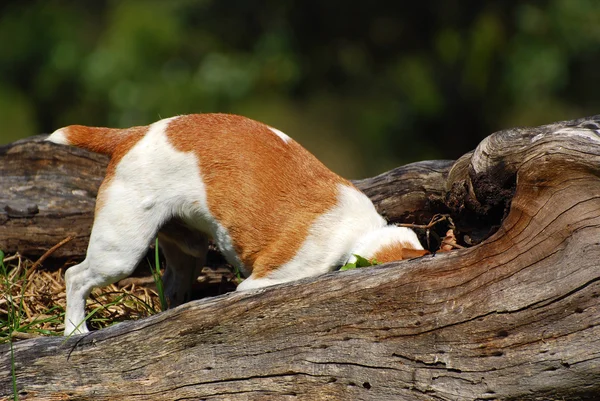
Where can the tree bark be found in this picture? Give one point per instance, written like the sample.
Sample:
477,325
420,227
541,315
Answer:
515,316
47,194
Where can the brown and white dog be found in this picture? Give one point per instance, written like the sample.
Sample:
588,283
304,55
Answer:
271,207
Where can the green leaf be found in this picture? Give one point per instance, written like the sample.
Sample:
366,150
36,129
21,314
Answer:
348,266
360,262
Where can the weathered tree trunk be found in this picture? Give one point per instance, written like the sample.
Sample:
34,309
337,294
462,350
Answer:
47,194
516,316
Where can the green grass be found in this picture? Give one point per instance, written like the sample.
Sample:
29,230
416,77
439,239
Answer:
10,323
158,278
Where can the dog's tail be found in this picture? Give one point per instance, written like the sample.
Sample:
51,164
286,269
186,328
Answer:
96,139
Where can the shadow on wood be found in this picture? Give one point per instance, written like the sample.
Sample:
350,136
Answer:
514,317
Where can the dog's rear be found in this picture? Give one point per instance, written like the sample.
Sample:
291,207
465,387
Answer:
271,207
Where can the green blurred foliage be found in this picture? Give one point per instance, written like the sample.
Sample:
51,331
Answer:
364,86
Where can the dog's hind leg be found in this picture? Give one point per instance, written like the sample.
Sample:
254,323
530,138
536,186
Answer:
185,253
125,224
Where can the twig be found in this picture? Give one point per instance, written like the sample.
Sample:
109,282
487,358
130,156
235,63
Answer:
141,281
12,257
23,336
408,225
438,218
45,256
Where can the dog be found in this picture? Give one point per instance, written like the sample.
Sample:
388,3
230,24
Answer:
272,209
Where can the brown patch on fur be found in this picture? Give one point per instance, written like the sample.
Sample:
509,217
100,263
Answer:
397,251
265,191
97,139
114,142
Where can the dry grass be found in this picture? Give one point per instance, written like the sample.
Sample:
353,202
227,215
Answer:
33,300
34,305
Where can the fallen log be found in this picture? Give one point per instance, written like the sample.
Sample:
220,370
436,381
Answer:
515,316
47,194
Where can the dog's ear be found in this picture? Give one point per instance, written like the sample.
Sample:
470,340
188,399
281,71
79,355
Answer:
397,251
408,253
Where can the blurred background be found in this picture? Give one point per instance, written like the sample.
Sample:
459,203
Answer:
366,86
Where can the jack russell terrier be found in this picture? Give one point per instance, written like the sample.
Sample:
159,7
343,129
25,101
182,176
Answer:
273,210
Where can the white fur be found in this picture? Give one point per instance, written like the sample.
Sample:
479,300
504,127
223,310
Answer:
154,183
280,134
331,240
58,137
388,235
